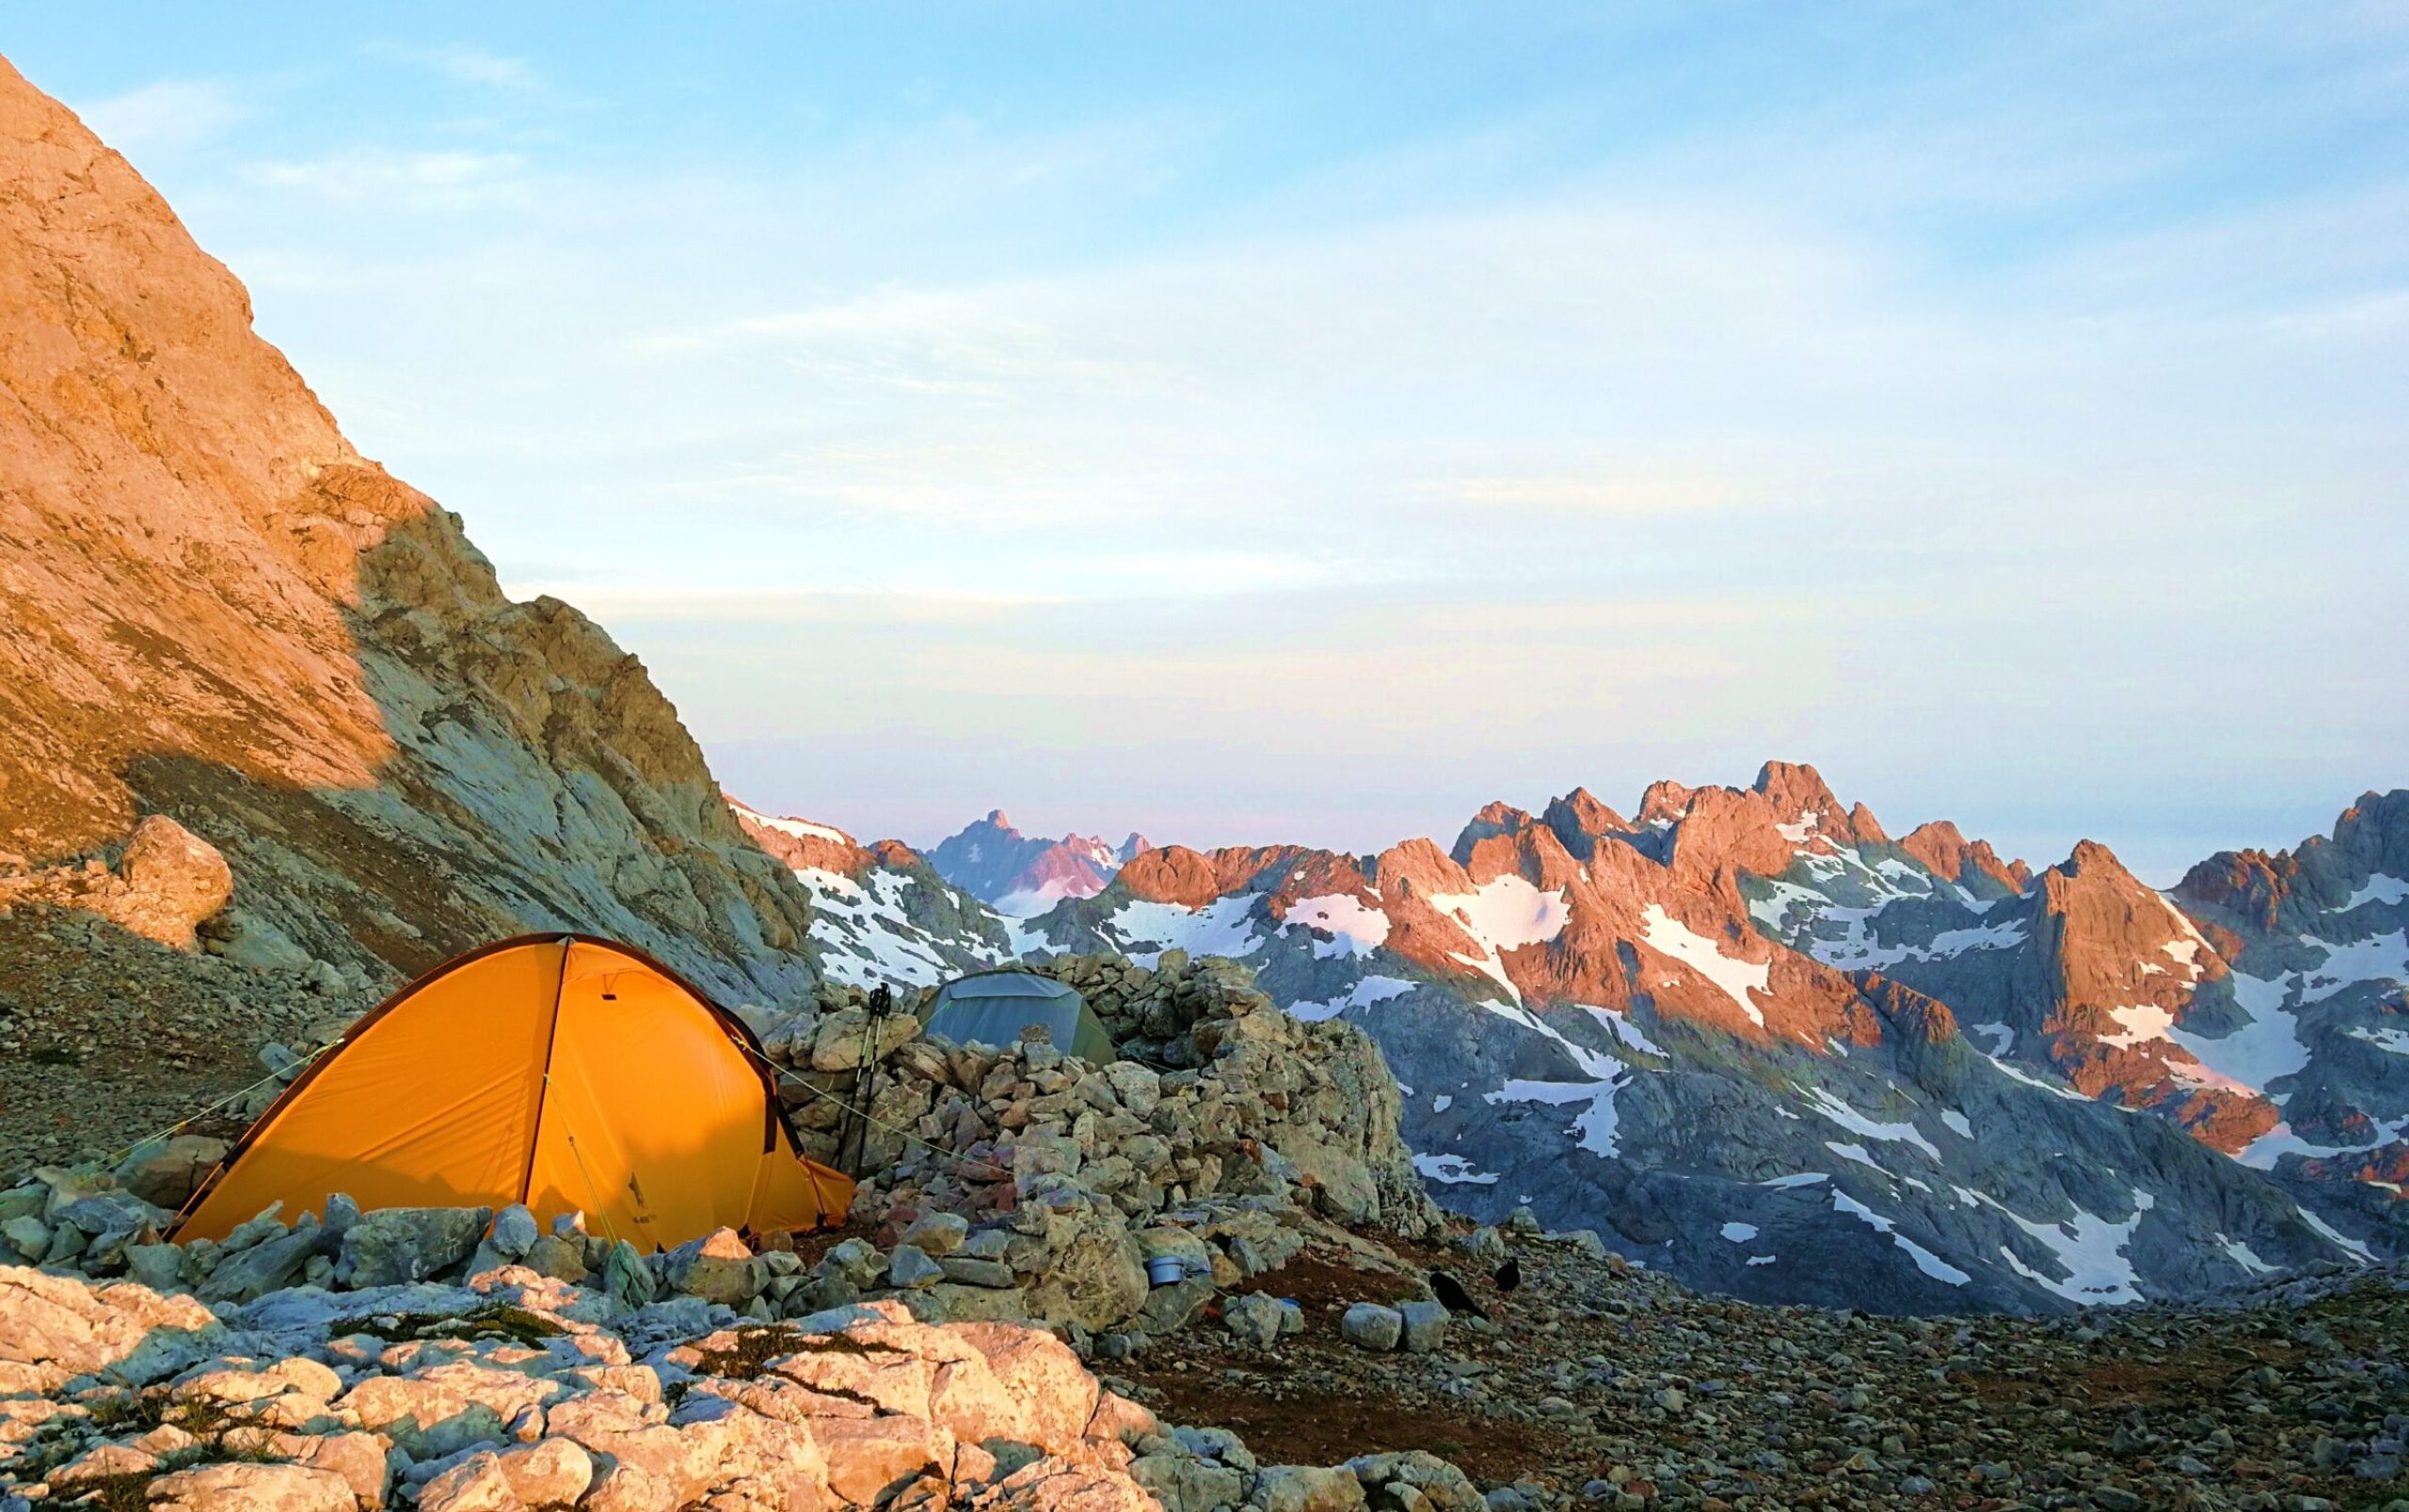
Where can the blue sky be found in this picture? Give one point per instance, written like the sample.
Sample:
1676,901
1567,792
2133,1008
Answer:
1254,423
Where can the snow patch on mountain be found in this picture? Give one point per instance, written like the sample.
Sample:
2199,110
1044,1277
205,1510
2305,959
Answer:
864,934
1738,978
1930,1264
1036,901
1593,1128
2384,957
1364,994
1505,913
2378,889
2089,1249
1224,927
1818,1100
1356,929
1453,1170
800,829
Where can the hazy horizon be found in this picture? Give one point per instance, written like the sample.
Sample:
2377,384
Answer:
1249,425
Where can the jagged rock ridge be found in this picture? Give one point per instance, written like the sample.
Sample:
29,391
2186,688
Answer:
1763,1044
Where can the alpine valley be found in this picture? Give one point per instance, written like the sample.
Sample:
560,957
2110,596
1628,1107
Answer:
1763,1046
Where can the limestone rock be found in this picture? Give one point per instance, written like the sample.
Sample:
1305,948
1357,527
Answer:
166,1173
908,1266
252,1488
936,1233
395,1245
1425,1326
717,1267
1370,1326
1253,1319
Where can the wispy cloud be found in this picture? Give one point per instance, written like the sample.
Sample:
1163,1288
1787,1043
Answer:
387,179
469,65
171,116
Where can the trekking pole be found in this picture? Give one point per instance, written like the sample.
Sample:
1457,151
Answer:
881,1000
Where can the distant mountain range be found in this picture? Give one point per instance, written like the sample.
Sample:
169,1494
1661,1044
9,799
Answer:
1757,1041
1022,874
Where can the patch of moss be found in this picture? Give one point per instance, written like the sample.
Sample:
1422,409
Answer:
749,1357
497,1321
105,1493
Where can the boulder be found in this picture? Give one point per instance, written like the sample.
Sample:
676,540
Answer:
159,1267
972,1271
264,1267
552,1473
30,1236
514,1232
561,1259
717,1267
396,1245
238,1487
1425,1326
907,1266
625,1275
174,880
856,1261
165,1173
1370,1326
1305,1489
1441,1484
1139,1088
1253,1320
936,1233
1184,1483
1094,1275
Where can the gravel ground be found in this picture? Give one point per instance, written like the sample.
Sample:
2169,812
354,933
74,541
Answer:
105,1037
1600,1384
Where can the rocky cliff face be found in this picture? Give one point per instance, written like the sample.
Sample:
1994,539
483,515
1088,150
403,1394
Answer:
1764,1045
219,614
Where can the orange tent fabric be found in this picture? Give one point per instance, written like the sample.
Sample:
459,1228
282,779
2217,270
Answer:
560,1070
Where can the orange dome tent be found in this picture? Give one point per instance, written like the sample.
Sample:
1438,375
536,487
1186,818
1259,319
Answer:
559,1070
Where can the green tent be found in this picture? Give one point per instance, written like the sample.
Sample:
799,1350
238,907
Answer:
994,1007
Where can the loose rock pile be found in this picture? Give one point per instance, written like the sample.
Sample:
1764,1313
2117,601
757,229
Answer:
1020,1182
518,1391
